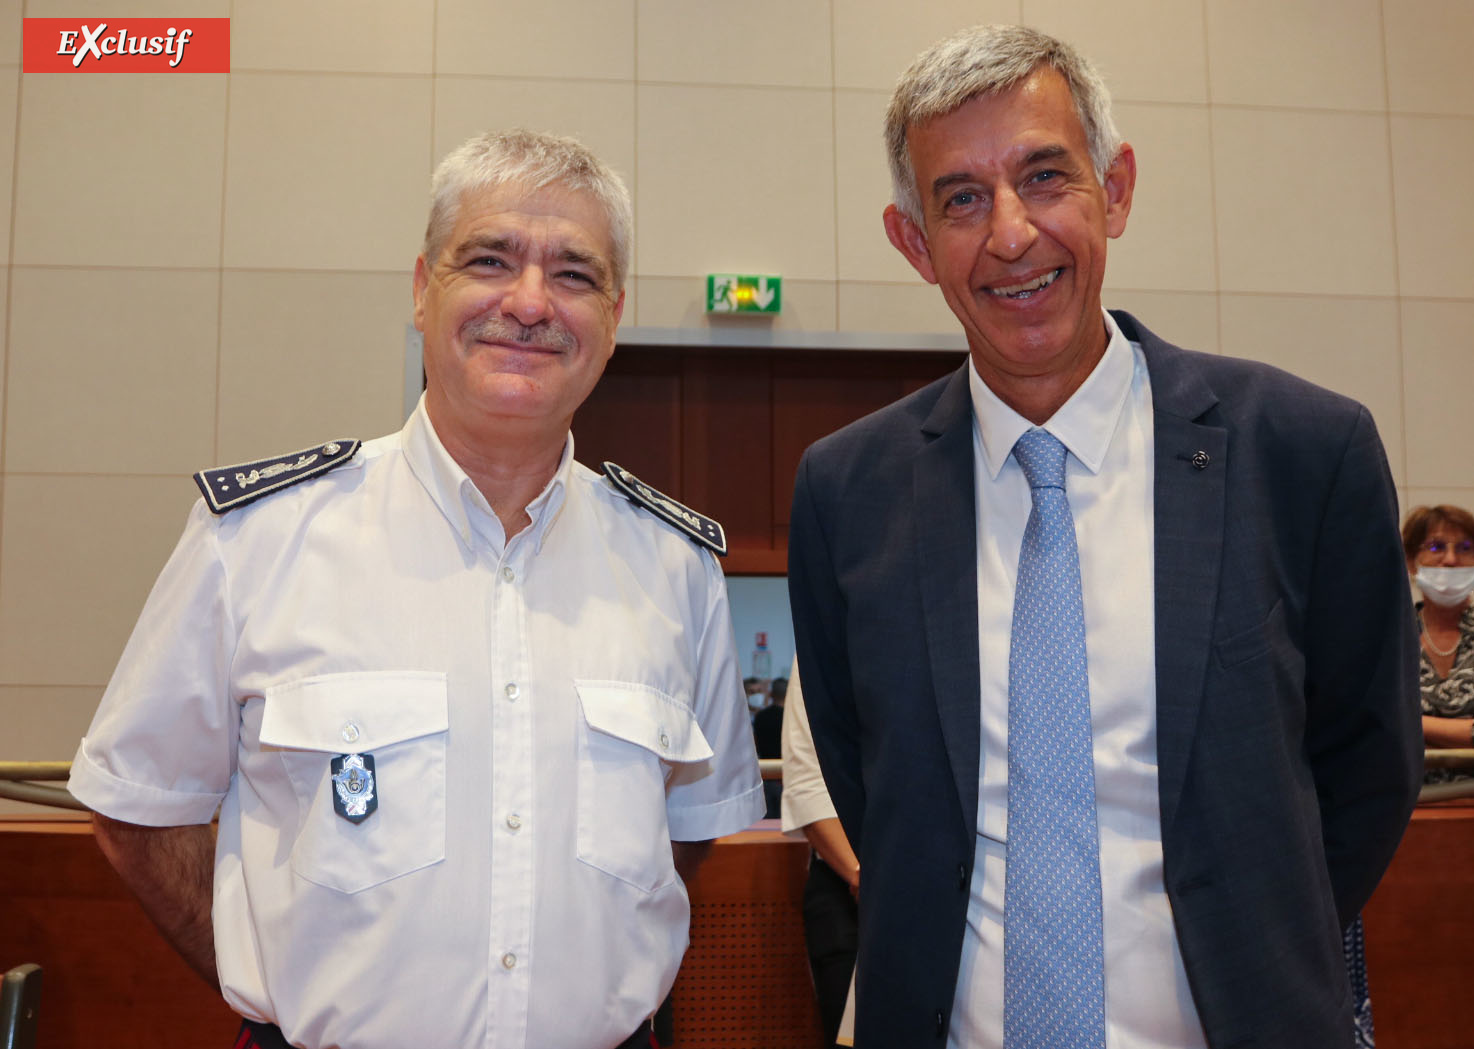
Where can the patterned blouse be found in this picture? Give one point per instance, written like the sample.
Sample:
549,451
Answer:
1452,696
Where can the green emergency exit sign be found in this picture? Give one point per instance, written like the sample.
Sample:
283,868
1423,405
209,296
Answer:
740,293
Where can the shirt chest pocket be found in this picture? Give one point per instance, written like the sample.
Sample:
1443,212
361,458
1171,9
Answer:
401,719
629,737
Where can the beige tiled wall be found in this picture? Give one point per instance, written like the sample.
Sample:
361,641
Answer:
201,269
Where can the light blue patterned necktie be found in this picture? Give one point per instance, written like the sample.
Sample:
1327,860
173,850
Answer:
1053,960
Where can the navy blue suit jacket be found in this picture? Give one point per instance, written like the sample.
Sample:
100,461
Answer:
1289,742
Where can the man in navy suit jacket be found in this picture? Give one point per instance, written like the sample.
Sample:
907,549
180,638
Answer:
1250,642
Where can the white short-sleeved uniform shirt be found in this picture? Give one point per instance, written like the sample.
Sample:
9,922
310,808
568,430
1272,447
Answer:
546,714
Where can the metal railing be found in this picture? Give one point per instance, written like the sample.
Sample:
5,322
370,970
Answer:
25,780
1461,760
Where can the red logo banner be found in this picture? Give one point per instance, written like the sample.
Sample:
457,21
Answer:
127,45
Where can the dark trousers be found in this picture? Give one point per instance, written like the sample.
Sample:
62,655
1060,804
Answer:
831,932
256,1035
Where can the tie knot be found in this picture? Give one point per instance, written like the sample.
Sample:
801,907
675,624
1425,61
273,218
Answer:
1042,458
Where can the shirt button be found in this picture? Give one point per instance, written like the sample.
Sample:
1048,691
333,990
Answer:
350,733
664,741
509,960
514,821
508,574
512,690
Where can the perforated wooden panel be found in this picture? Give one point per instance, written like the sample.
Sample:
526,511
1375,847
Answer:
745,982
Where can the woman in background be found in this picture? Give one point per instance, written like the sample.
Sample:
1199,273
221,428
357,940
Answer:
1438,542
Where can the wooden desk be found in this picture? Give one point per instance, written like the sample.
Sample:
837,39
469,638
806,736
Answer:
1418,932
111,981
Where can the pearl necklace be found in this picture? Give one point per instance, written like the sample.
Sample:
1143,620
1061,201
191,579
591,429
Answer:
1428,640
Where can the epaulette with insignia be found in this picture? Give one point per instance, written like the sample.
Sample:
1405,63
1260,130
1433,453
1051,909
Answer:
227,487
702,529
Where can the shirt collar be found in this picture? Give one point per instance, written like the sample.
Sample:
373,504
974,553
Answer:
457,496
1084,423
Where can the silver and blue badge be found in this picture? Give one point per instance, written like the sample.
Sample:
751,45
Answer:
354,795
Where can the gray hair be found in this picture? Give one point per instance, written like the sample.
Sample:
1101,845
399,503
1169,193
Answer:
534,160
985,60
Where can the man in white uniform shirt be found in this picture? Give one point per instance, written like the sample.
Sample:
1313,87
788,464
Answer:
1106,647
467,709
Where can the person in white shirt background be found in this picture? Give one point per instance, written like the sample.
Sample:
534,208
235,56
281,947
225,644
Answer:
831,918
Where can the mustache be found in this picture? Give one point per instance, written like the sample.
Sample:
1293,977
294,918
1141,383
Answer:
545,335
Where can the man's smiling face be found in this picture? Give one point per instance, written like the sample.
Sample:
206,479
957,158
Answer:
1014,229
518,309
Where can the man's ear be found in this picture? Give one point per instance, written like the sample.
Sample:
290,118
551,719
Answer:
422,279
1120,184
910,241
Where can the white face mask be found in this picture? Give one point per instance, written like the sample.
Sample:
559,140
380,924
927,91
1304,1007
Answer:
1446,587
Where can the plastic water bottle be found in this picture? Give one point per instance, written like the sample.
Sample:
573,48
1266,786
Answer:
762,659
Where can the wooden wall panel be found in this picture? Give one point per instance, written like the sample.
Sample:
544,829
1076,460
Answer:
633,418
723,429
815,394
727,426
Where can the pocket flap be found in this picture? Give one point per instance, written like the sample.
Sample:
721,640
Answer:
353,713
643,716
1253,642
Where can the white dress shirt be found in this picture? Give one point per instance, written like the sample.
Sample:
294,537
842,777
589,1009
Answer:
1107,428
546,713
805,799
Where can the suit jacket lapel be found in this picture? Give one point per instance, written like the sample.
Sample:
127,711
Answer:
1190,471
1189,506
946,560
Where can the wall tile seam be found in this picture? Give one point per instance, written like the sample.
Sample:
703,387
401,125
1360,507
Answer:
1251,107
1458,300
735,86
1116,99
42,685
377,74
1421,114
80,475
612,81
860,282
9,300
1404,455
1325,111
264,71
820,89
66,267
53,756
1240,293
533,77
699,276
1213,190
632,184
220,259
834,181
